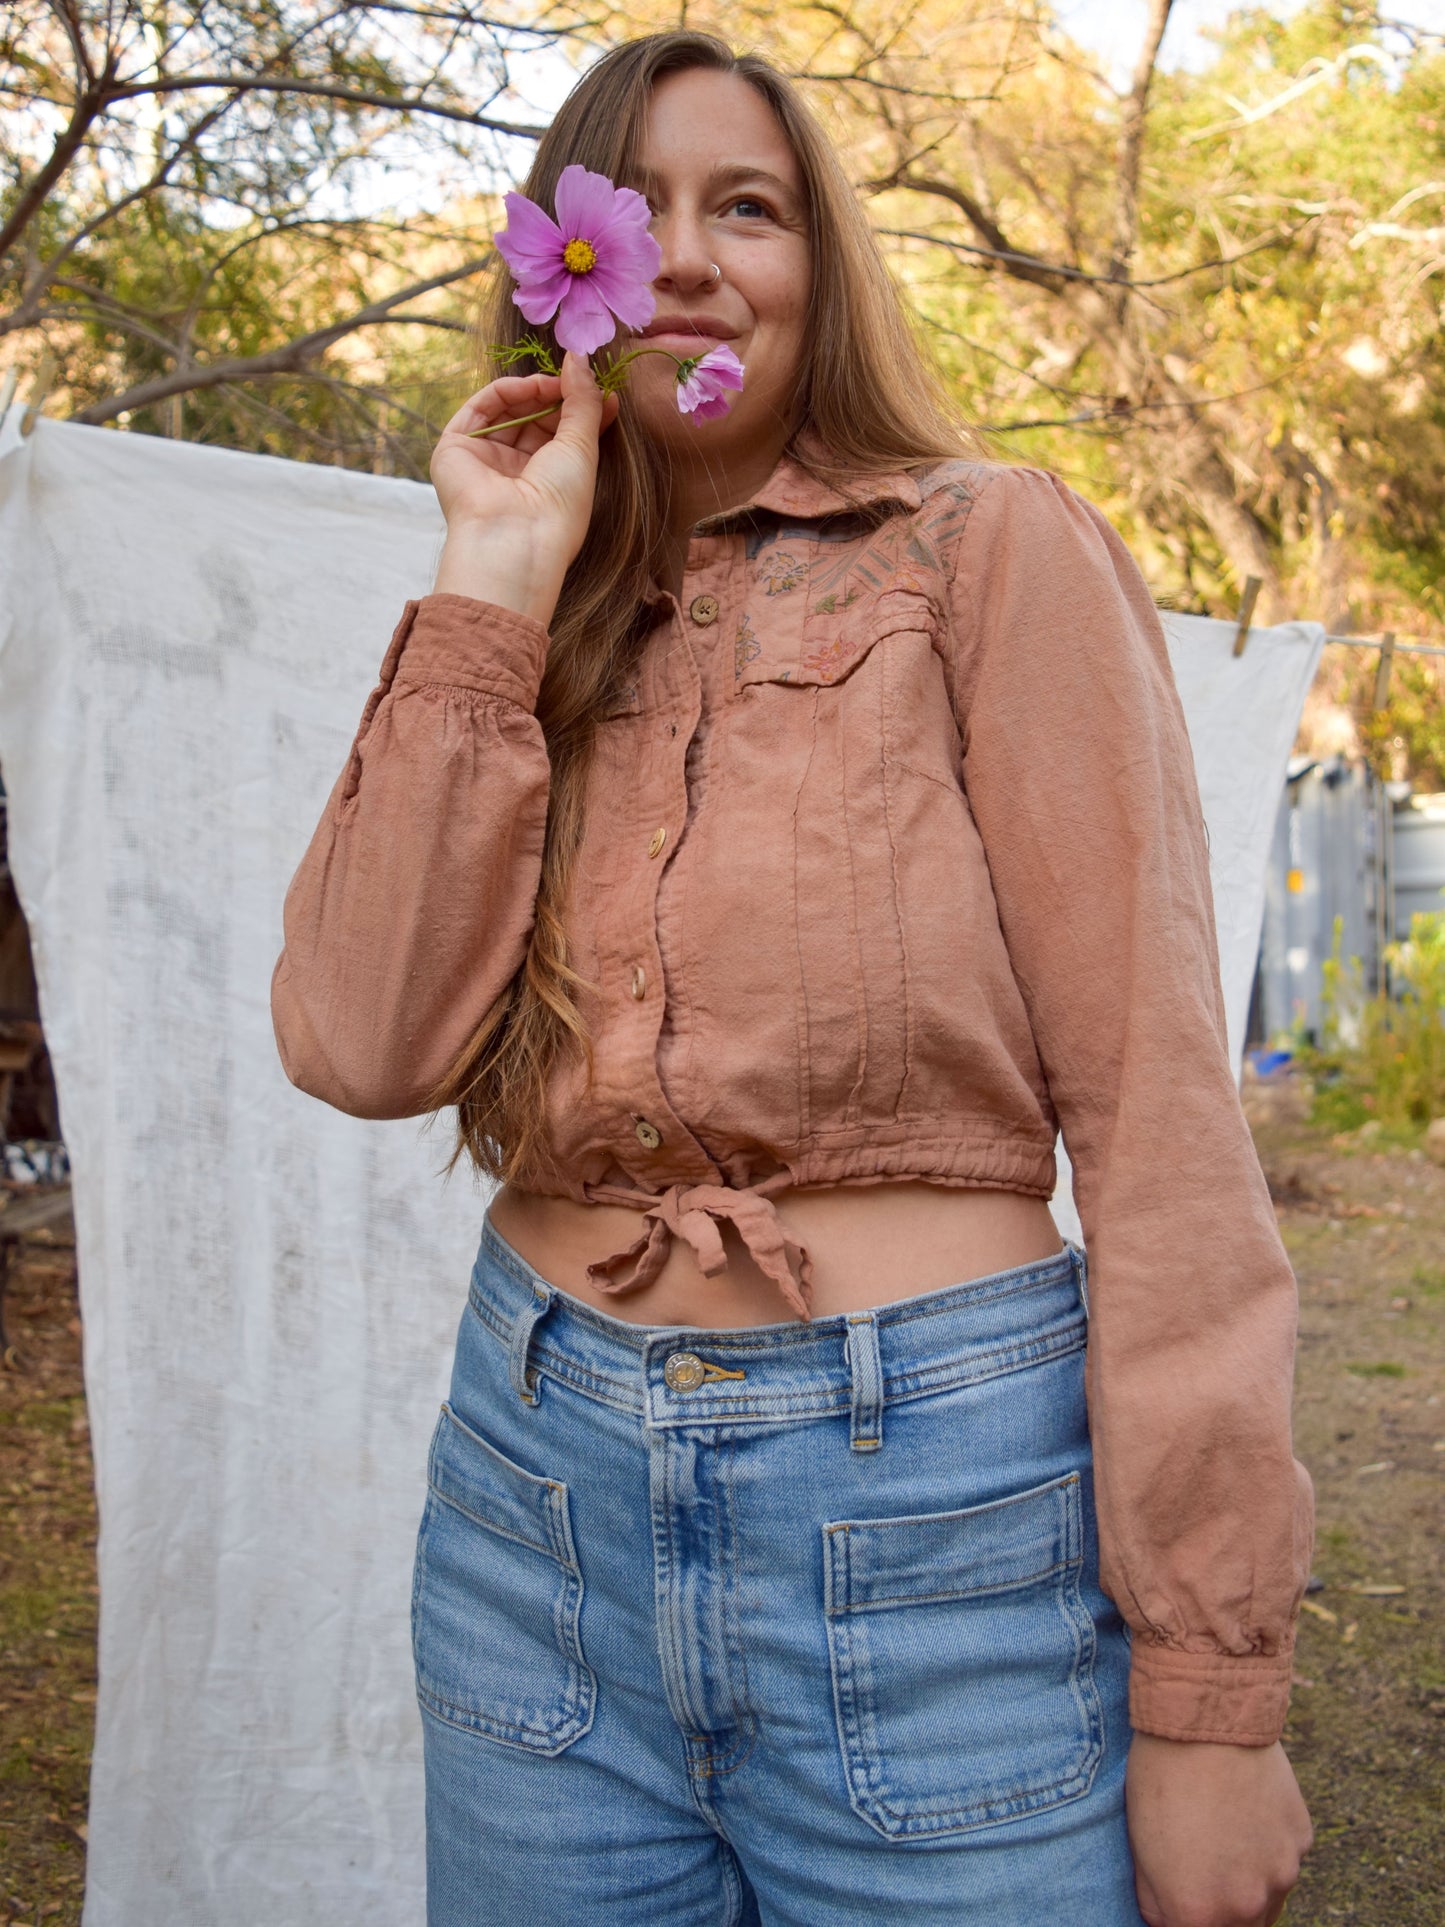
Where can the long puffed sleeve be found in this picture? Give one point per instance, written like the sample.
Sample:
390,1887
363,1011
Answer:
1078,769
413,905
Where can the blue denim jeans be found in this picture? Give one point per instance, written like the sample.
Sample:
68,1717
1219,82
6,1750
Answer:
798,1624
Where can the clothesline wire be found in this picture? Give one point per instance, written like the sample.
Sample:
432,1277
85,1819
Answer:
1401,648
1348,642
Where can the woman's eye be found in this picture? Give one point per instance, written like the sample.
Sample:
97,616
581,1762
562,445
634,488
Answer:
752,208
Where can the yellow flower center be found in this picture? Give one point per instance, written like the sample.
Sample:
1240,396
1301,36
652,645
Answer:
579,257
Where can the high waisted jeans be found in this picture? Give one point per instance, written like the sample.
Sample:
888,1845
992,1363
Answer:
796,1625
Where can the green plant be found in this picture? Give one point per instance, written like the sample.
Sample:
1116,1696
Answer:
1382,1057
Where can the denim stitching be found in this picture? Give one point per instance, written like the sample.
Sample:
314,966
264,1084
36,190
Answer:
855,1702
949,1374
578,1701
740,1692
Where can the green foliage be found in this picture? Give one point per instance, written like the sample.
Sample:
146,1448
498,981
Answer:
1412,721
1383,1058
1385,1368
531,348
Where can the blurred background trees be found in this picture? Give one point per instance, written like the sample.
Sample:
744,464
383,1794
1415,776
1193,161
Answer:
1208,297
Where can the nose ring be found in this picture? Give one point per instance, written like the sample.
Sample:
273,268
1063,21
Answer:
716,274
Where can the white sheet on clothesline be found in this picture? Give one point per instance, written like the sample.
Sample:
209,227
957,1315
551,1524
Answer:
271,1290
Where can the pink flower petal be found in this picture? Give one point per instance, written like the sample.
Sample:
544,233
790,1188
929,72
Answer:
633,252
584,203
531,243
584,320
703,394
629,298
538,300
631,208
723,366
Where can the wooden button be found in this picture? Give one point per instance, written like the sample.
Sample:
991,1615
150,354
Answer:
648,1135
658,838
703,610
639,982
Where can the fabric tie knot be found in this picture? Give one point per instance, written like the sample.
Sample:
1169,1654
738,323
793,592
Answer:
694,1212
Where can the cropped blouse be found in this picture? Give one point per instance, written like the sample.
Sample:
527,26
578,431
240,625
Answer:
893,866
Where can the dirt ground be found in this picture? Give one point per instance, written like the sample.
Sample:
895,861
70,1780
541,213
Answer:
1365,1228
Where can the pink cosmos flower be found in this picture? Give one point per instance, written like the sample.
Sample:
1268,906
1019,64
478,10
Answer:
703,384
592,267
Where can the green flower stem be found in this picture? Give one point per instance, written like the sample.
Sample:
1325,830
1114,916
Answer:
612,377
518,421
610,381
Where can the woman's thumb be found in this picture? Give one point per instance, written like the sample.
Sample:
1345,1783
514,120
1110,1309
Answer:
581,418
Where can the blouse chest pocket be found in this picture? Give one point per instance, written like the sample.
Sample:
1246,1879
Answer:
817,640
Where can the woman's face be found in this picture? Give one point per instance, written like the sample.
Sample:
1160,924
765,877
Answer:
726,193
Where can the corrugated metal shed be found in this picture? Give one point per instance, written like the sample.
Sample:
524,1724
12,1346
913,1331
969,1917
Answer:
1419,834
1350,846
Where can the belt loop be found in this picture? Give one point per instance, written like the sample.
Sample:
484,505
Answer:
527,1385
866,1429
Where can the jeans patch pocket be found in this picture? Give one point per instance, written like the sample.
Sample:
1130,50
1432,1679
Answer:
496,1597
962,1656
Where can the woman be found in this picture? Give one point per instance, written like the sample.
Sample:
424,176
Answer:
767,833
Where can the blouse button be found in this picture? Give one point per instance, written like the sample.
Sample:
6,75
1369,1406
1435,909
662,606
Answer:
639,982
656,841
648,1135
703,610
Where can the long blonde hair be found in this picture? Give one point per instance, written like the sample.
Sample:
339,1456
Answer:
870,397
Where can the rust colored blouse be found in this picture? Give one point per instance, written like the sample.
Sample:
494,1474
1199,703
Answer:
894,865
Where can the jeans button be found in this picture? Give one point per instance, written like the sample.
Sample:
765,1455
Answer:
684,1372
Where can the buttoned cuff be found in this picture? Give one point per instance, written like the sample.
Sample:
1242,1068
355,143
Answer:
465,643
1208,1696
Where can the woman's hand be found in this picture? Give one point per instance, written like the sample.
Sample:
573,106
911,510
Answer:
1218,1832
518,502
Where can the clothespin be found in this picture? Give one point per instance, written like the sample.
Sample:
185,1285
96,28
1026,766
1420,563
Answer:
1252,587
40,388
1382,674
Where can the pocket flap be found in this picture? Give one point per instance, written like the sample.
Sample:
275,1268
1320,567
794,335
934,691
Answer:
475,1478
1011,1542
821,642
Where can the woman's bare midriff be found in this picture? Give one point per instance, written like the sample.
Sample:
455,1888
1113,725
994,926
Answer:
870,1244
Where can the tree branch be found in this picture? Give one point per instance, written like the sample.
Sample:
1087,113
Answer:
89,105
291,358
1131,147
323,89
1015,262
43,273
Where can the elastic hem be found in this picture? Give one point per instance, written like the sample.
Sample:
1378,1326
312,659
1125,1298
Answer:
966,1154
